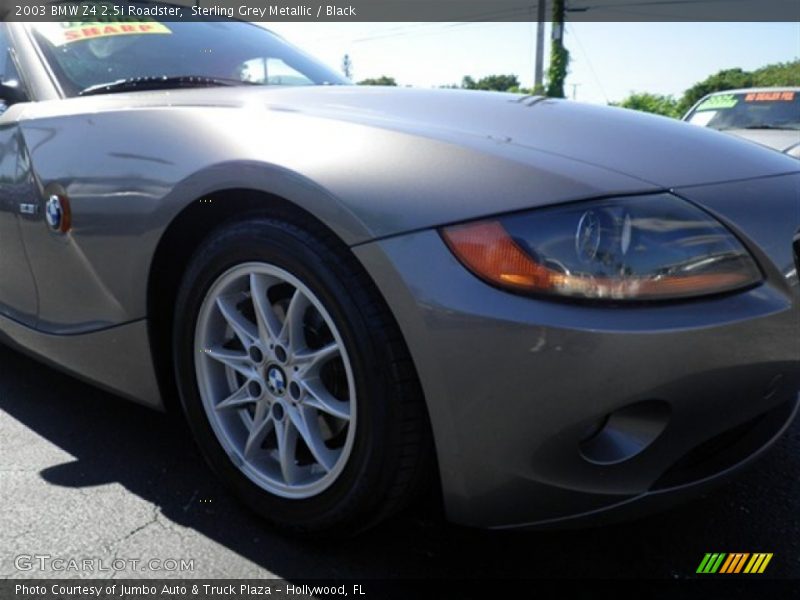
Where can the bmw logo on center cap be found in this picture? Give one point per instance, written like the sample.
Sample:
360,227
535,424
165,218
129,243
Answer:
276,381
54,213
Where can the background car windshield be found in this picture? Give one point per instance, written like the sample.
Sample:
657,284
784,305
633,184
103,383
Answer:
87,54
751,110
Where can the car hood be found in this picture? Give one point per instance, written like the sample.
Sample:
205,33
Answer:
777,139
659,151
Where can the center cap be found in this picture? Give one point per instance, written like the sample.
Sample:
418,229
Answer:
276,381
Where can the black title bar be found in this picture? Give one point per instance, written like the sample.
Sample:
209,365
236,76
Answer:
400,10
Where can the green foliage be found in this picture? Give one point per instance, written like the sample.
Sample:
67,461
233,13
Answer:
382,80
497,83
652,103
778,74
557,72
559,56
526,91
727,79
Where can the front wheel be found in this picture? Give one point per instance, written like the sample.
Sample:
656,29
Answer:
295,380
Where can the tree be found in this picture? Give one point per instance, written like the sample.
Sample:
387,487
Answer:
651,103
559,55
778,74
347,66
533,91
382,80
726,79
497,83
775,75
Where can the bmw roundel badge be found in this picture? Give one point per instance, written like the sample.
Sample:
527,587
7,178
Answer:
55,214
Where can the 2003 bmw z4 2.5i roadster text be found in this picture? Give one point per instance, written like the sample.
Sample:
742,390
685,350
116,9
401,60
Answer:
554,312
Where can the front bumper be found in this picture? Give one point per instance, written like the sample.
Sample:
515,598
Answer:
518,388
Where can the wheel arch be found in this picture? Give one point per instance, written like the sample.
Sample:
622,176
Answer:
199,204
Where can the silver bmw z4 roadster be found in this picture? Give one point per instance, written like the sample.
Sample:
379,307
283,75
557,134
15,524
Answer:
555,313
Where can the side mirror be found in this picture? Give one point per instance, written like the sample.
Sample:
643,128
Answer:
11,93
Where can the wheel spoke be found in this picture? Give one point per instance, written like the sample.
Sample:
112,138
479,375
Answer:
304,420
286,435
292,332
313,360
238,361
262,425
237,399
269,326
320,398
241,326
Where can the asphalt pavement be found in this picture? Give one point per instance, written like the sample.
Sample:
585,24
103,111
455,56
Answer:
86,475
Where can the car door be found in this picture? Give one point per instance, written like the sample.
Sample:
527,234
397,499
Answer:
18,298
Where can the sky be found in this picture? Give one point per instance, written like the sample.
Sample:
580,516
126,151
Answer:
608,60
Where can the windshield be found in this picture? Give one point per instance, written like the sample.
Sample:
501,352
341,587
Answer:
777,109
83,55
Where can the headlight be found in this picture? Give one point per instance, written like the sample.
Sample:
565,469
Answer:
636,248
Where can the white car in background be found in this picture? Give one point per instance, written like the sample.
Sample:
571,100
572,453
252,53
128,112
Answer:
767,116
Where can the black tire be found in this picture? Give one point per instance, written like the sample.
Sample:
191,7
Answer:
391,458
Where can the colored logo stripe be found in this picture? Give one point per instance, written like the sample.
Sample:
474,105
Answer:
735,562
710,563
720,562
758,563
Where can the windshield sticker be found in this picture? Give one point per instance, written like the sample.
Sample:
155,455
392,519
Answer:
718,102
769,97
703,118
60,34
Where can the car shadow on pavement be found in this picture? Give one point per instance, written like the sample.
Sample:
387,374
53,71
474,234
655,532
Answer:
151,455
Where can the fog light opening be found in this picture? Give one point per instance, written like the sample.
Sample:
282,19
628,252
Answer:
624,433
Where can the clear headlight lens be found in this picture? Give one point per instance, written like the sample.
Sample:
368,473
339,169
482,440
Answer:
635,248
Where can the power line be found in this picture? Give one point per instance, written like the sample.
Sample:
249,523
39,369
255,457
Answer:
401,32
482,18
624,4
572,32
410,33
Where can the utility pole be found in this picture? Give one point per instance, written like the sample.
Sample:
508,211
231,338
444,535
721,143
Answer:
538,83
559,57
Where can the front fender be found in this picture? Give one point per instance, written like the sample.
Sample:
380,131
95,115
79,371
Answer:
128,174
